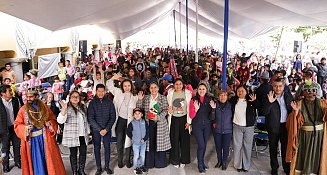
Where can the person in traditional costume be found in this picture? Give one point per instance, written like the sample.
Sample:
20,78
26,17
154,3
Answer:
36,126
307,138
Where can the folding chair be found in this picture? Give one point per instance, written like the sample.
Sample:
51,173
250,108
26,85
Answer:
260,134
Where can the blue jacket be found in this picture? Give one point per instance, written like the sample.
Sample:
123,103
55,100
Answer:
137,130
202,116
101,114
223,118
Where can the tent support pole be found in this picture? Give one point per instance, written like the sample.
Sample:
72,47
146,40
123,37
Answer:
180,25
226,18
174,14
186,27
196,32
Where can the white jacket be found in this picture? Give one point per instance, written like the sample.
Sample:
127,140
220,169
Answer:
118,100
188,96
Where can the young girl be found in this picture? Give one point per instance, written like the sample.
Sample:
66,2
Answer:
24,86
57,89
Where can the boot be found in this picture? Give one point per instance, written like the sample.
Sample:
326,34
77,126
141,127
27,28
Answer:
73,164
82,160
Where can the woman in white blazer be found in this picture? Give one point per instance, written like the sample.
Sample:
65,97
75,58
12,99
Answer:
125,102
180,123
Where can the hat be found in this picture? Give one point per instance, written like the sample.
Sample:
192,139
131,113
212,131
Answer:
310,85
265,75
167,77
31,91
137,110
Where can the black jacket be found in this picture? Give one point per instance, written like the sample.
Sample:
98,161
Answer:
272,112
4,123
101,114
251,110
202,117
261,93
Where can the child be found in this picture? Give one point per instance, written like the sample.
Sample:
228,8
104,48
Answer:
137,130
24,86
57,89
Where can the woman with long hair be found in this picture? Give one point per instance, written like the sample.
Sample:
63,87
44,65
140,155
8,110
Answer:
156,107
244,114
125,102
201,124
180,123
49,101
75,134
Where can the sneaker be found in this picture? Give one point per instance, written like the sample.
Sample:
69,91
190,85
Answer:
176,166
144,170
138,171
182,165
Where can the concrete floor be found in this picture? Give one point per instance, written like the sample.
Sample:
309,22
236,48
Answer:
260,165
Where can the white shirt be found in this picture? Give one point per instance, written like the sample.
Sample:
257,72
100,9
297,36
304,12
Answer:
153,101
9,110
283,109
81,128
240,113
123,108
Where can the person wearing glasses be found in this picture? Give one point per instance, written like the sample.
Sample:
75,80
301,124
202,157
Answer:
277,107
75,134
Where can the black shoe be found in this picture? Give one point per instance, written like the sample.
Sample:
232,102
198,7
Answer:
144,170
128,164
6,169
109,171
206,167
138,171
99,172
224,166
19,165
218,165
239,170
244,170
202,171
120,164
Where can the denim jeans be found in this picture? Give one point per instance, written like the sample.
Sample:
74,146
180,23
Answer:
139,152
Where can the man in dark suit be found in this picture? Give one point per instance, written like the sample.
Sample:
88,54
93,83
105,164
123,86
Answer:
9,107
277,106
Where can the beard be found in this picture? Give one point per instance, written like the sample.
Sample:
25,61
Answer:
30,102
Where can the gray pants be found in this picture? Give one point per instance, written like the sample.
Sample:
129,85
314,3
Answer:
242,140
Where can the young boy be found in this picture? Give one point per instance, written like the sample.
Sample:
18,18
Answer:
137,130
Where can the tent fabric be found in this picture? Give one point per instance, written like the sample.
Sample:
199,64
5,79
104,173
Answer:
48,64
248,18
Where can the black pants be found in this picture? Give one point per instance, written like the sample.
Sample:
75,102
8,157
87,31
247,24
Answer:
120,129
154,158
274,138
82,152
180,141
201,133
320,80
16,146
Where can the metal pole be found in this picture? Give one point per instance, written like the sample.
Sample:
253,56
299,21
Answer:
174,14
186,27
226,13
196,32
180,25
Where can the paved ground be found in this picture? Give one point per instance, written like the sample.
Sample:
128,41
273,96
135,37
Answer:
260,165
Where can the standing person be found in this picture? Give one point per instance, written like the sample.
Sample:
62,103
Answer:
132,75
101,115
179,100
4,133
8,73
244,111
159,140
61,72
36,126
138,132
222,128
125,102
306,149
49,101
276,109
75,135
322,71
11,106
70,74
201,124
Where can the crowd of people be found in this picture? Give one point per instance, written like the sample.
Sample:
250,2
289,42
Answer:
151,103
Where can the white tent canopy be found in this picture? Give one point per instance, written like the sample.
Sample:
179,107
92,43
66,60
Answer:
248,18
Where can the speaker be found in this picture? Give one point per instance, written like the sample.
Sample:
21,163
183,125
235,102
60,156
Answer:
297,46
83,46
118,43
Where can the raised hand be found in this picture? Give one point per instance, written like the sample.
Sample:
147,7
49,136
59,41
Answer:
212,104
63,104
253,97
196,105
271,97
116,76
140,95
296,106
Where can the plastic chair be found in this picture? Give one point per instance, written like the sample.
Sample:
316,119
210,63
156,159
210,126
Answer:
260,134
